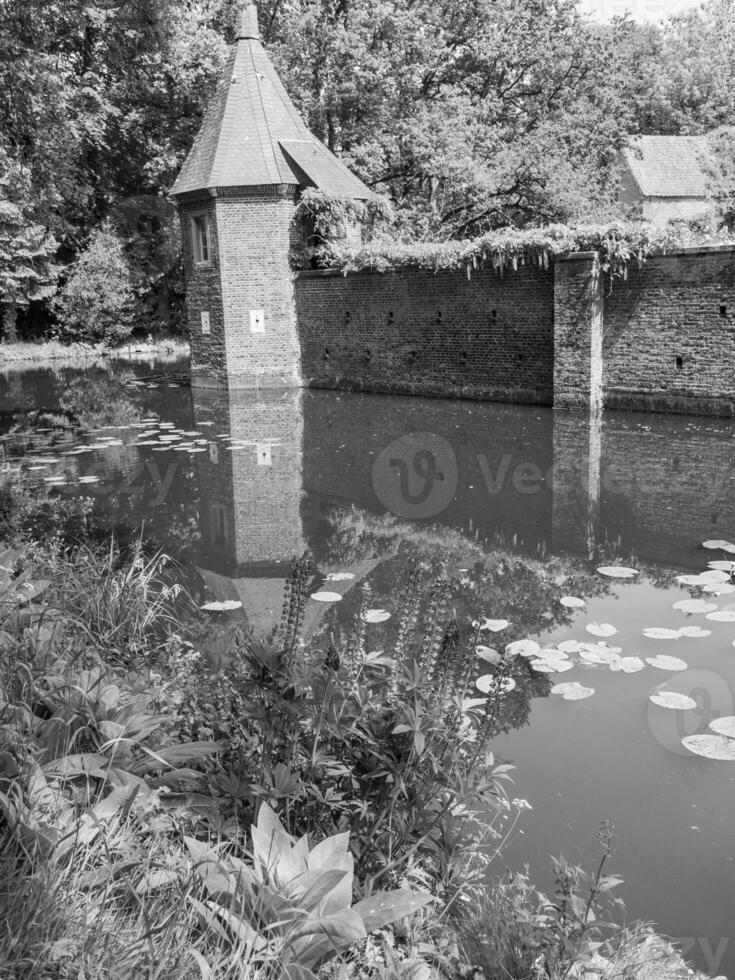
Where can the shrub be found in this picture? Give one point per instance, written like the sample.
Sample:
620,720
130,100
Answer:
96,301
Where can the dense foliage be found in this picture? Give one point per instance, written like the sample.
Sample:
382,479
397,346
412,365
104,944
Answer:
469,118
618,244
294,812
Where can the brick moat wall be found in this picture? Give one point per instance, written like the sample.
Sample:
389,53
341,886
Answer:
411,331
669,334
661,340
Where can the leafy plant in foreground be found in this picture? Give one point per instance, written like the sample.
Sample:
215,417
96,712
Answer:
295,902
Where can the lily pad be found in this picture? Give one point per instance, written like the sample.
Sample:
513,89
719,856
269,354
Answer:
694,632
719,545
572,602
601,629
571,646
628,665
673,700
618,571
376,616
340,577
695,606
667,663
487,654
326,597
226,606
719,588
573,691
711,747
722,616
724,726
523,648
661,633
552,666
494,625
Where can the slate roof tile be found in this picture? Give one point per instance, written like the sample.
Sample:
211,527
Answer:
668,166
249,124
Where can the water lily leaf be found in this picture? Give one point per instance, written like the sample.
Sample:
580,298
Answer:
573,691
571,646
711,747
572,602
724,726
719,588
694,632
714,575
601,629
628,665
494,625
326,597
719,546
552,666
488,681
340,577
673,700
523,648
376,616
666,663
723,616
618,571
225,606
489,655
552,653
592,656
695,606
661,633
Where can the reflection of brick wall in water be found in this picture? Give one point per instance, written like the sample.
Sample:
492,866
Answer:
667,485
414,331
251,497
576,486
501,453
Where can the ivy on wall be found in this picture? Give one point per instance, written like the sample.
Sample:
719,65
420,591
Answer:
618,243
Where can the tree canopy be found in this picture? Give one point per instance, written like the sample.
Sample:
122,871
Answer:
469,117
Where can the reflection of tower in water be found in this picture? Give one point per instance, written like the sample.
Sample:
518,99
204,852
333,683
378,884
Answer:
250,488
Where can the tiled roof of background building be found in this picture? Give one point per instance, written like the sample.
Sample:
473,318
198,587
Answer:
668,166
249,125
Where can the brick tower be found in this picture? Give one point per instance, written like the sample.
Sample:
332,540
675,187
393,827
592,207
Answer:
236,194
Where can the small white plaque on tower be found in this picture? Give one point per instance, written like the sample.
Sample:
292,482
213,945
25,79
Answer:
264,454
206,325
257,321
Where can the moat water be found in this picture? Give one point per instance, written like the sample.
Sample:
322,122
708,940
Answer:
518,506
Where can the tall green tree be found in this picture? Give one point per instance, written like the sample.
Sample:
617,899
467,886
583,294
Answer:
470,115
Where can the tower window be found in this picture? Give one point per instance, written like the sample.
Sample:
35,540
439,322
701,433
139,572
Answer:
200,238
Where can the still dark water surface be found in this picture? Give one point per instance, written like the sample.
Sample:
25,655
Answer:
237,484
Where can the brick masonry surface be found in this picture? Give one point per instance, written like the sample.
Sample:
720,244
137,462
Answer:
412,331
669,338
663,339
203,294
248,273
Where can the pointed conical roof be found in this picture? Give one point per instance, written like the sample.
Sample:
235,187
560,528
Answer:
253,135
